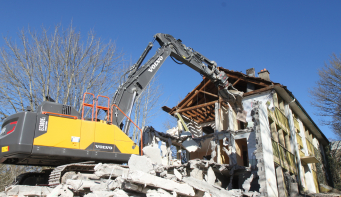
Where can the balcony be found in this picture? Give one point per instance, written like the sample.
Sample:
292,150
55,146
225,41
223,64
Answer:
283,157
314,155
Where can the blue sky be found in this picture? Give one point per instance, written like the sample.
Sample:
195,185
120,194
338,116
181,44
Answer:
292,39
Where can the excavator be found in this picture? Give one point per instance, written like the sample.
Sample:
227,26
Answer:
59,136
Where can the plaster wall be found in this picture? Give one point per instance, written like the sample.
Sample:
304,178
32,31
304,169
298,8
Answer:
265,144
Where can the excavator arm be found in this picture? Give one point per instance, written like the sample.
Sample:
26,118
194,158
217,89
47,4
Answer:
140,76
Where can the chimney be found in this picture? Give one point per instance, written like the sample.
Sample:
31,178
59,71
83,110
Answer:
251,72
264,74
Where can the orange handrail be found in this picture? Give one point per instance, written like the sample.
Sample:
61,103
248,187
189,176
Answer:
88,105
130,121
57,114
102,107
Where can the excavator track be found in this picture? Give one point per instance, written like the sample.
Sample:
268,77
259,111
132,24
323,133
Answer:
58,172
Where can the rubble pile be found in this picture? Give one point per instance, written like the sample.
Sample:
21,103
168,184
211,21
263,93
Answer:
142,176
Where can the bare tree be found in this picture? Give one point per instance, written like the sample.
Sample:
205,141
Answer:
9,173
327,94
59,64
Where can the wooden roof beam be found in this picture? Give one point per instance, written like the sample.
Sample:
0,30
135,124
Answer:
248,80
197,106
195,93
209,93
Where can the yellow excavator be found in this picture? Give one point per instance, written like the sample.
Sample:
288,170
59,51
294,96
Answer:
58,135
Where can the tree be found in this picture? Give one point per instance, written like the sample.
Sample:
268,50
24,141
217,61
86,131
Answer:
334,161
327,94
59,64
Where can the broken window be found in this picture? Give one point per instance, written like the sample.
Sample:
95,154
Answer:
241,150
208,130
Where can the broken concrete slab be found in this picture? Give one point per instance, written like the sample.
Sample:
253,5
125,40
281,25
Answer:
247,183
140,163
61,190
134,187
24,190
151,180
196,173
79,185
213,148
107,170
205,187
116,193
210,176
178,174
158,193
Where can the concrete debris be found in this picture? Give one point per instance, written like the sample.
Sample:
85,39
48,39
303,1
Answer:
247,183
173,131
213,148
140,179
153,153
196,173
158,193
178,174
213,191
61,190
110,170
210,176
23,190
148,179
140,163
115,193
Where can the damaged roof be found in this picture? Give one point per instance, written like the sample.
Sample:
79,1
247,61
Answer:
199,104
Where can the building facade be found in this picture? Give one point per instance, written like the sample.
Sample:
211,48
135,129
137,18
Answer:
262,129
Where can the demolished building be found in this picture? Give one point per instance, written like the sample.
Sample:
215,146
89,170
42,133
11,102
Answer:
258,142
270,138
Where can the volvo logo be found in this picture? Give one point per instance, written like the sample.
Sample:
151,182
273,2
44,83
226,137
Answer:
155,64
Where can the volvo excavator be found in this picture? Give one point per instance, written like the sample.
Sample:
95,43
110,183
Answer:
59,136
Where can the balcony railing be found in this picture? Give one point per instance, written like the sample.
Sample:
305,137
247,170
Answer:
282,120
302,153
275,151
279,118
297,125
283,157
310,147
299,140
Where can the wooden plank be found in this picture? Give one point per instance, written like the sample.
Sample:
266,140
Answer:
194,116
258,91
196,107
248,80
236,82
207,120
208,93
195,93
